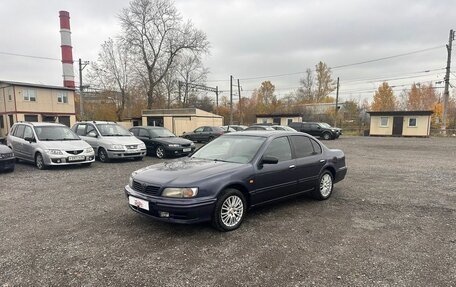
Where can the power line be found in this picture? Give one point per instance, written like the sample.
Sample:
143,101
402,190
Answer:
29,56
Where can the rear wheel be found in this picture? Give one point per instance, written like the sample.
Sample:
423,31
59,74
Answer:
39,161
229,210
103,155
324,187
160,152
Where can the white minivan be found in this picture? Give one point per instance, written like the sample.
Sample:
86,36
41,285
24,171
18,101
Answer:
110,140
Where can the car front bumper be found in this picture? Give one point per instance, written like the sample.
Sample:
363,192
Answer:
126,153
178,210
65,159
178,151
7,163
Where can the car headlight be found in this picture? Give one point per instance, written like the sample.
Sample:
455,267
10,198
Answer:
54,151
192,144
333,130
130,182
180,192
117,146
174,145
89,150
142,146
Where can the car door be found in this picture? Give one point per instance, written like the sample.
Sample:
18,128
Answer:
197,134
315,130
28,147
16,140
274,181
93,141
207,132
309,161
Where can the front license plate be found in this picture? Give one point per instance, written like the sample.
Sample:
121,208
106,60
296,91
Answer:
76,158
143,204
187,149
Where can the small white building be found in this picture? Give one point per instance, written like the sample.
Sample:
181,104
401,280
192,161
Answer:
400,123
278,119
180,120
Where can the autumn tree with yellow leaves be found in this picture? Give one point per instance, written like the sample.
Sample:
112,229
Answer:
384,99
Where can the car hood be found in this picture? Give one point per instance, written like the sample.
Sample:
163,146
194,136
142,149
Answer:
125,140
64,145
183,172
173,140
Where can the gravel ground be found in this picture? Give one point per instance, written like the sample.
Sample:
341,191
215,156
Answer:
391,222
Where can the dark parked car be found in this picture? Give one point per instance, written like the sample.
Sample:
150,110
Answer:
221,181
7,159
260,128
322,130
162,143
204,134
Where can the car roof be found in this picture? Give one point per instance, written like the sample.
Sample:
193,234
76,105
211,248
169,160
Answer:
263,133
41,124
150,127
96,122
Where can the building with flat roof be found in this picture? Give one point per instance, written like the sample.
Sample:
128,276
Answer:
400,123
35,103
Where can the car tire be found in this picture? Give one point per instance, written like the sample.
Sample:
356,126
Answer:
326,136
210,139
160,152
103,155
324,187
230,210
39,161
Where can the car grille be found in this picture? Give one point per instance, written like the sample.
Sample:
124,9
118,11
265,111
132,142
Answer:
132,146
149,189
74,151
185,145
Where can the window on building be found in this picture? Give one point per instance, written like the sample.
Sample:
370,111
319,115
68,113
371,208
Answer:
29,95
264,121
383,121
412,122
10,97
289,121
31,118
2,125
276,120
62,97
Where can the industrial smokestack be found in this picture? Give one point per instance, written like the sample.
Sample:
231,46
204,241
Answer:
67,49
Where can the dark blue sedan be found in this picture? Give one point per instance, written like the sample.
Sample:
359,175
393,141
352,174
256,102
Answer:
233,173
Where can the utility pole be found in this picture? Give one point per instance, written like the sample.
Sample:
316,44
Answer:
231,100
82,65
240,103
337,102
216,96
447,81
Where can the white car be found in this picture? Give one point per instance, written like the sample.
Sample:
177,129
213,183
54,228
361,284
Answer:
47,144
110,140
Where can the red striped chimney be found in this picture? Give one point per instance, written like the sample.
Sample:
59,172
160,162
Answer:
67,49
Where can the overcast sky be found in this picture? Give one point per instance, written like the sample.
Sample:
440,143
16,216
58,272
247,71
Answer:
252,39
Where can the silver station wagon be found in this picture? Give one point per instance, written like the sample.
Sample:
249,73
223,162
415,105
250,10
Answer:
48,144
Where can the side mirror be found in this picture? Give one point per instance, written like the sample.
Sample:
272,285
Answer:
30,139
269,160
92,134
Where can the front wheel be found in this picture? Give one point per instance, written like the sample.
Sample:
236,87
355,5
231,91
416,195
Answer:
326,136
229,210
39,161
103,155
324,187
160,152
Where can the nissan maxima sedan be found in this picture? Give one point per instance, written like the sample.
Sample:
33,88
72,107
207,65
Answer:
234,173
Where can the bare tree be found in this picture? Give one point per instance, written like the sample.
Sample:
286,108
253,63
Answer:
112,72
191,71
157,33
305,93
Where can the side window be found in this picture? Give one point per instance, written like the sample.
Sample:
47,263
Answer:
91,128
80,130
306,127
302,146
314,126
198,130
28,133
280,149
19,132
316,146
143,133
207,129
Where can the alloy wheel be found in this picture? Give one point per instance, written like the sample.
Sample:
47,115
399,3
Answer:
326,185
232,211
160,152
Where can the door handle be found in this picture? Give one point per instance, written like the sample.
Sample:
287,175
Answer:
322,160
292,166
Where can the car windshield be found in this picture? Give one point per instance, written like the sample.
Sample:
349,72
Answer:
162,133
112,130
55,133
325,125
238,149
